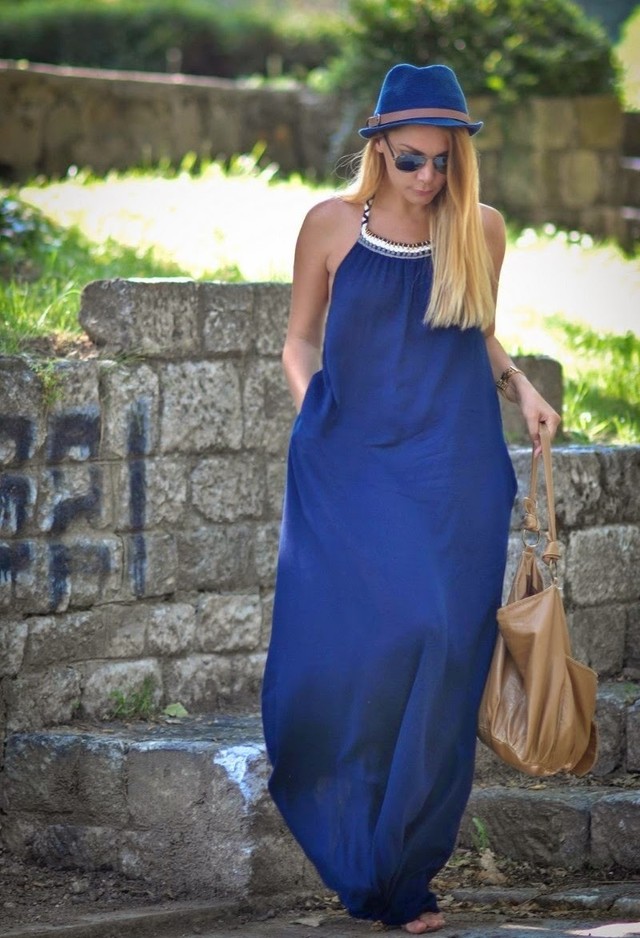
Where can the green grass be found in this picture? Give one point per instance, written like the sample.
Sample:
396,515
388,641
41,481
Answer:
561,294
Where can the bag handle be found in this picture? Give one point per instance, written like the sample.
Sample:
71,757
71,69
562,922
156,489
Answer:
551,553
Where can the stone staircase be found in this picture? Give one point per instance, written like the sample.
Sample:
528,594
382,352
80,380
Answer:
185,805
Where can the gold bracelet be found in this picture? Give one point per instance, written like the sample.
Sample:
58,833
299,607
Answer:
503,380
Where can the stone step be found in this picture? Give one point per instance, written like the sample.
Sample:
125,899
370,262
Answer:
570,828
183,805
186,806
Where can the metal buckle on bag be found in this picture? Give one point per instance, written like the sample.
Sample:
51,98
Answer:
524,532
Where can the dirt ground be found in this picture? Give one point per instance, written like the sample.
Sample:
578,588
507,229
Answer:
31,894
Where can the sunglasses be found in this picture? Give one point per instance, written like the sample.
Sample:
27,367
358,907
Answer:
412,162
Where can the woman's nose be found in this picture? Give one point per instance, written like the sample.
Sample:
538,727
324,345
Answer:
426,171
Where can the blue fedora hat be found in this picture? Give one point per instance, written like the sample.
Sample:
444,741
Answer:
412,95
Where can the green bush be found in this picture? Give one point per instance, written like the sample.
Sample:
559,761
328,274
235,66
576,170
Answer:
507,48
138,34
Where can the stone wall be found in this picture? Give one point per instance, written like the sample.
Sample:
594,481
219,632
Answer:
542,160
140,496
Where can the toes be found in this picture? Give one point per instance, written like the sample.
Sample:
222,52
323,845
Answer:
433,921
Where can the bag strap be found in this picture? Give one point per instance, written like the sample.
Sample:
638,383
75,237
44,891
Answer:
551,553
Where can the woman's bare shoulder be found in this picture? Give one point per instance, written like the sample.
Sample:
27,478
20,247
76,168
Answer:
332,214
492,220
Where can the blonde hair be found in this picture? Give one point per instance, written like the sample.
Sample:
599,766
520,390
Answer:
463,290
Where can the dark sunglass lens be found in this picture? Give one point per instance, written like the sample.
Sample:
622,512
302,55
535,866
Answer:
440,163
409,162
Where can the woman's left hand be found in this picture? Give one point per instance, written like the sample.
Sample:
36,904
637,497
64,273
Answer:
535,410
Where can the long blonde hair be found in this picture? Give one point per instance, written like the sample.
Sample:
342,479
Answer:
463,290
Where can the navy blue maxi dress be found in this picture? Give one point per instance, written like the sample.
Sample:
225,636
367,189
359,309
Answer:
392,552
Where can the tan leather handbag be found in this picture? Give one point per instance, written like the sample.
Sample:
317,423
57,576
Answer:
537,710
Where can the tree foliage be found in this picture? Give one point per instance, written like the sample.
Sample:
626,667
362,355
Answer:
507,48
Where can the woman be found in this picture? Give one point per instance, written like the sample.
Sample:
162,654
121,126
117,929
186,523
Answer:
397,505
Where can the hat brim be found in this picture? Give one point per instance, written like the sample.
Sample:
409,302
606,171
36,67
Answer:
431,122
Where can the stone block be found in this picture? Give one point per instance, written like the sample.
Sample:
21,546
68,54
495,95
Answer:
228,319
545,827
197,803
266,552
555,123
267,618
171,629
130,407
63,774
151,564
149,317
150,492
43,698
76,497
621,480
210,682
101,680
167,780
22,429
577,481
25,583
66,845
13,640
520,173
633,737
268,409
64,639
83,571
632,644
71,385
216,557
611,715
580,178
276,475
73,434
598,637
602,565
229,487
228,622
202,407
271,304
600,121
615,831
18,493
124,630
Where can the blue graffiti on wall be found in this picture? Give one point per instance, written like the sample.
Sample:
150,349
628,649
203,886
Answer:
137,443
73,434
14,558
20,432
67,510
16,496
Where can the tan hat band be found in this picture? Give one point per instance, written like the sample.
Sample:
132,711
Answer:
379,120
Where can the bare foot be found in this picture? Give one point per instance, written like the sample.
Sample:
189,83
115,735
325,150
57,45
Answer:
428,921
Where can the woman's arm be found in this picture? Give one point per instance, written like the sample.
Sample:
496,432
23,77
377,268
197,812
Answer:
519,389
302,352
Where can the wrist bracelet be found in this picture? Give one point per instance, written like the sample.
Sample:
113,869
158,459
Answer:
503,380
